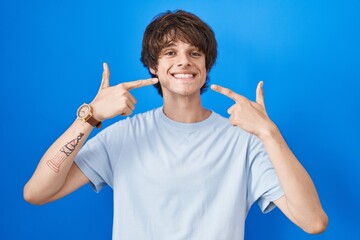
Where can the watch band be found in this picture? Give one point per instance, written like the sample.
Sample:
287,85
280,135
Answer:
93,122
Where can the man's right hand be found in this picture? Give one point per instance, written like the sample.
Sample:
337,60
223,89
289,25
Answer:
116,100
56,174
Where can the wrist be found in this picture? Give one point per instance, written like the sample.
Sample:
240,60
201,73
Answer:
269,133
95,113
85,113
82,124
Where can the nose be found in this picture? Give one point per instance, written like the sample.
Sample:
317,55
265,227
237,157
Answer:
184,60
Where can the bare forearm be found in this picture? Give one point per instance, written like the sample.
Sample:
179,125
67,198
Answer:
301,195
55,164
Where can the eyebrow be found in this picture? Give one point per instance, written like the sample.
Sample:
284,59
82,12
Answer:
172,44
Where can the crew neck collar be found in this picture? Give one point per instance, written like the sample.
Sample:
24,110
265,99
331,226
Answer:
185,126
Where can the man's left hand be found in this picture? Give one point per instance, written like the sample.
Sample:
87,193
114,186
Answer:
250,116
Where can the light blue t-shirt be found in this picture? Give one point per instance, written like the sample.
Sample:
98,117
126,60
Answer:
176,180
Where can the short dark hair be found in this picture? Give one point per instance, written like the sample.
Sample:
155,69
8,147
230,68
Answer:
176,25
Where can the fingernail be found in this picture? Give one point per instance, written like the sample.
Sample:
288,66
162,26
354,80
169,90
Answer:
213,86
155,80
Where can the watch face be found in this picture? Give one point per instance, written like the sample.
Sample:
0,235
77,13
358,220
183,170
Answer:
83,111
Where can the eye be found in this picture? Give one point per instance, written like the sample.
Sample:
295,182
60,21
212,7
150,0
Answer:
169,53
195,53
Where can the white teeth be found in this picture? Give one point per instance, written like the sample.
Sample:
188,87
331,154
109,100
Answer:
183,75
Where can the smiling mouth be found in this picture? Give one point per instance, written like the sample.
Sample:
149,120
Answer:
183,75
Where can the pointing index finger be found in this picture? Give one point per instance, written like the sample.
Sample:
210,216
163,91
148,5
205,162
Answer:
139,83
227,92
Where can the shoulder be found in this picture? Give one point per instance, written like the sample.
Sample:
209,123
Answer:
233,135
223,123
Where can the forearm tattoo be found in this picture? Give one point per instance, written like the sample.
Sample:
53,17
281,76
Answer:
63,153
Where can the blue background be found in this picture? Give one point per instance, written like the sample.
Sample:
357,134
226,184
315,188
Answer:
307,53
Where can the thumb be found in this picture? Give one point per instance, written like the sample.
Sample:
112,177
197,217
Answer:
105,83
260,94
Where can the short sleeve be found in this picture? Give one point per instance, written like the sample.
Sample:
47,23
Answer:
263,183
93,160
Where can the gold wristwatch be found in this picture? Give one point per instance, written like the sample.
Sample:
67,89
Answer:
85,112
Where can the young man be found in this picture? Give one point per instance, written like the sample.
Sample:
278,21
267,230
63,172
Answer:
179,171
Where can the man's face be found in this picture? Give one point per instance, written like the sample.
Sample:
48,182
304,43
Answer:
181,70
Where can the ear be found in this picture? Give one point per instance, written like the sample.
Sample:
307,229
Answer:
153,71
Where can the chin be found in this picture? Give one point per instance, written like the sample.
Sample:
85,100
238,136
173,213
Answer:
188,93
183,92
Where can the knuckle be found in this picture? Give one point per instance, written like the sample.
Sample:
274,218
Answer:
121,87
122,101
123,92
243,103
232,122
123,106
227,91
237,108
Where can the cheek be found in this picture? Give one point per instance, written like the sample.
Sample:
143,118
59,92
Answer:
161,70
204,75
161,75
202,67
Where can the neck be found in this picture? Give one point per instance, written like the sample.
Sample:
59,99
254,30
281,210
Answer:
185,109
